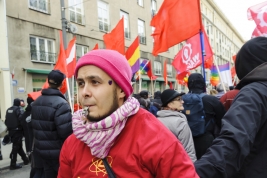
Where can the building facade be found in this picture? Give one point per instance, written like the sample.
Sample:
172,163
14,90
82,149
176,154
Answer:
33,37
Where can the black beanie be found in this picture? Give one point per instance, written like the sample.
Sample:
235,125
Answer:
252,54
196,82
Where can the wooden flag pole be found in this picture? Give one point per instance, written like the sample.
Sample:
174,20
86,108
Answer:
68,90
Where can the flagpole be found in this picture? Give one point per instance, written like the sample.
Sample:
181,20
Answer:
140,82
68,90
219,72
152,91
72,89
203,56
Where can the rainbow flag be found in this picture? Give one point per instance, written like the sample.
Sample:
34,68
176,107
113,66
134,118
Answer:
144,66
225,74
133,55
214,79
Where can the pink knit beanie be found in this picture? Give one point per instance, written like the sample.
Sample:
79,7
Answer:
111,62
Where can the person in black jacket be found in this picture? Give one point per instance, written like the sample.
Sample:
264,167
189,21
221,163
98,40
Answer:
51,122
213,110
240,151
15,131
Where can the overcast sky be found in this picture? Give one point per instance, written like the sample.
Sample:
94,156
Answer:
236,12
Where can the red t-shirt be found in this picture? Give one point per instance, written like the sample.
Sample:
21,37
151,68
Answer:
145,148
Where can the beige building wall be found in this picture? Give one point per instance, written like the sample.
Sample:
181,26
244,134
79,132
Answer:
5,76
23,21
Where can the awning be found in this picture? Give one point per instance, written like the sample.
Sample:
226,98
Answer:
158,79
37,71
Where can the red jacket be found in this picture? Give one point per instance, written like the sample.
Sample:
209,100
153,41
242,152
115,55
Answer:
145,148
228,98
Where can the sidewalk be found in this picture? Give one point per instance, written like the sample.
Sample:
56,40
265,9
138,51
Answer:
4,164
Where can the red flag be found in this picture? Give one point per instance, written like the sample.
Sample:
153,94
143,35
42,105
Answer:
71,57
190,56
258,13
115,39
234,58
165,72
150,72
170,84
60,65
176,21
96,47
180,77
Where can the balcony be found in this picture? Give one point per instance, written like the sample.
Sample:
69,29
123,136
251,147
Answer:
42,56
40,5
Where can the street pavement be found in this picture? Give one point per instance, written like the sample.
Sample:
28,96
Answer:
23,172
4,164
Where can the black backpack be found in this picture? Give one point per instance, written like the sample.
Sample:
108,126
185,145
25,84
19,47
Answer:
12,117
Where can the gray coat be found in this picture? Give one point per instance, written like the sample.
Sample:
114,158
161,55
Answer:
176,122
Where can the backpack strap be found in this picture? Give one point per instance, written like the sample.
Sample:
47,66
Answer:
109,170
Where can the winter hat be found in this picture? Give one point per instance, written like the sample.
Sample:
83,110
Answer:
252,54
219,87
56,77
168,95
111,62
16,102
196,82
144,93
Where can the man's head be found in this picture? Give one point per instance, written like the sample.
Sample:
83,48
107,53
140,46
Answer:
252,54
144,94
219,87
22,103
172,99
55,79
196,83
104,82
157,95
16,102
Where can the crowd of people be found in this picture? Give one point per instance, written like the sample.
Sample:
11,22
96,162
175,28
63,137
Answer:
116,133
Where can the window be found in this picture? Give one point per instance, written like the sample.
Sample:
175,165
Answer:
38,82
126,24
141,31
157,68
140,3
80,51
169,70
40,5
154,7
103,16
42,50
76,11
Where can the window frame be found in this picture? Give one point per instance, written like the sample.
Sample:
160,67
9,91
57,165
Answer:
47,3
38,51
141,33
73,9
157,68
101,19
140,3
169,70
83,52
125,16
